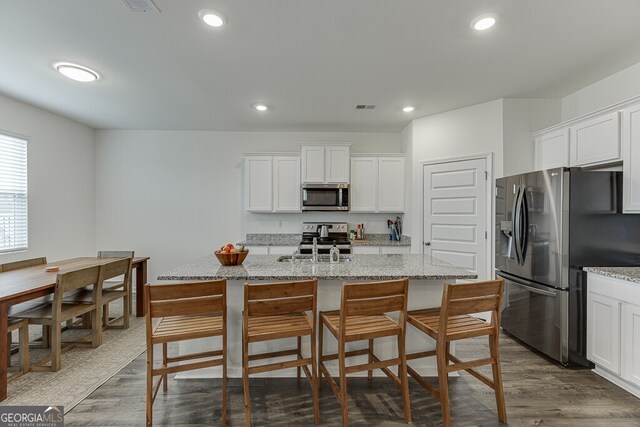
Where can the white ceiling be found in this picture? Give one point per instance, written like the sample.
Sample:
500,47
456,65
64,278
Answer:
312,60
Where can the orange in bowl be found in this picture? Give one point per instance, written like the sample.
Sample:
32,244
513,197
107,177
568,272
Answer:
231,258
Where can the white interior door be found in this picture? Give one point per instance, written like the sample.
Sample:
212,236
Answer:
455,213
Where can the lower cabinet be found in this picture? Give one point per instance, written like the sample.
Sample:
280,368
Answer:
613,330
359,250
273,250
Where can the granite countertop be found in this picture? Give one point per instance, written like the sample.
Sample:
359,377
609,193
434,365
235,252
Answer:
275,239
632,274
362,267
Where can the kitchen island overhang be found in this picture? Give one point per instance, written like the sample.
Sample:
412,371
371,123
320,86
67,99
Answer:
426,276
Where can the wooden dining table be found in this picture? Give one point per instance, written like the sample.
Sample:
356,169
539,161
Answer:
26,284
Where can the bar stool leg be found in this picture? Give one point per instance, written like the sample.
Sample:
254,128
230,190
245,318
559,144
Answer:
299,357
149,402
343,384
441,357
314,379
165,384
245,381
370,373
320,360
497,378
404,378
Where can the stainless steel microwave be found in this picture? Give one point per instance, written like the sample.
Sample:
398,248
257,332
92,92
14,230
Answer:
325,197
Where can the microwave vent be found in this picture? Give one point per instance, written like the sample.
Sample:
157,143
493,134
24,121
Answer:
141,5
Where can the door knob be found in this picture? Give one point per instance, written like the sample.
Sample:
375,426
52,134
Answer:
427,243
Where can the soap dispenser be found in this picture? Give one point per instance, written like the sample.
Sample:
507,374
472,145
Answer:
334,254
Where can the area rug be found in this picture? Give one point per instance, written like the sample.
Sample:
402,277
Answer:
83,370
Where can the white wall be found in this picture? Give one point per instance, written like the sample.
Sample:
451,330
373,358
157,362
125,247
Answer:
61,182
617,87
464,132
177,195
522,117
406,137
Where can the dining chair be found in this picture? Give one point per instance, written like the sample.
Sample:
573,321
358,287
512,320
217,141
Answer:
179,312
275,311
58,311
119,284
15,265
363,316
453,321
118,268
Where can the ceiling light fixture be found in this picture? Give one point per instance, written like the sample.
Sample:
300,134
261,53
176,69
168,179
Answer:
408,109
261,107
483,22
77,72
212,18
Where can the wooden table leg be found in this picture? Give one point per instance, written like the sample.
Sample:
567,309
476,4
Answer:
4,321
141,280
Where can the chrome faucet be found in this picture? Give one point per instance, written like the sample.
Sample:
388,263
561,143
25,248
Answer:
314,252
294,255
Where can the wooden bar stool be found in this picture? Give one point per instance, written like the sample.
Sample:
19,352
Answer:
185,311
275,311
452,322
362,316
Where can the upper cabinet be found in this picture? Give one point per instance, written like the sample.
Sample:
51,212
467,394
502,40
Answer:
595,141
631,159
377,184
552,149
272,183
325,163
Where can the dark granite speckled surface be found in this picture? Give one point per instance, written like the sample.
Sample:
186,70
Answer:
362,267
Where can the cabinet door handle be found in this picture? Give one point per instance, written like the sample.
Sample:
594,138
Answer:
427,243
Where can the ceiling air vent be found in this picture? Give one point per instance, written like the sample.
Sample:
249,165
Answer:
141,5
365,107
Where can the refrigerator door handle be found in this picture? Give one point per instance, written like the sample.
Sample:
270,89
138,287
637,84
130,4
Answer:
524,211
518,282
516,224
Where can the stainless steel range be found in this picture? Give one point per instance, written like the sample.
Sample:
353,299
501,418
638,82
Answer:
326,234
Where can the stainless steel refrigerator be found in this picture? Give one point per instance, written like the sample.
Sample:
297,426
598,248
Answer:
549,224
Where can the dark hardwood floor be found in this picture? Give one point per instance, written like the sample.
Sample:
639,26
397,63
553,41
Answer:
538,393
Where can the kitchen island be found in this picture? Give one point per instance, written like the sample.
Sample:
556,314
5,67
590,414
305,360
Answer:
426,278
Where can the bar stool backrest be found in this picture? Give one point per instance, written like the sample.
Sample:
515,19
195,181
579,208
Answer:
274,299
472,298
186,299
369,299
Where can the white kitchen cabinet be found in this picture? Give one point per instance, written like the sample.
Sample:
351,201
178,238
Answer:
552,149
397,250
286,184
364,184
613,330
258,250
282,250
595,141
377,184
258,172
355,249
603,331
325,163
391,184
365,250
631,159
631,343
272,183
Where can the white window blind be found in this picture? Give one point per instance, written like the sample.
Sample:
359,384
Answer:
13,193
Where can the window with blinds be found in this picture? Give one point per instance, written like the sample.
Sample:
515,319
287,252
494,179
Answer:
13,193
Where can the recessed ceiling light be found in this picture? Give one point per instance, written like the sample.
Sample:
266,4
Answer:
213,18
261,107
408,109
483,22
77,72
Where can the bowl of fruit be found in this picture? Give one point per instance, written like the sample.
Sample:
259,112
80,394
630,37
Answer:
231,255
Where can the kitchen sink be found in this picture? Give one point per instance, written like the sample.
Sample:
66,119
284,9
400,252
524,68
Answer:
307,258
